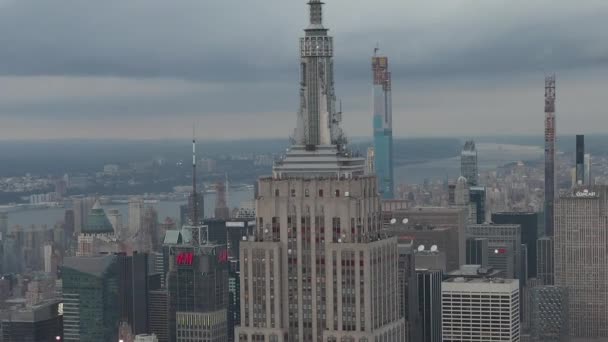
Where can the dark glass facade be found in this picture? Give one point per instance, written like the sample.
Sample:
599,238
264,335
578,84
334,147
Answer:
158,314
134,291
39,323
529,233
477,251
91,287
197,281
477,196
429,304
580,159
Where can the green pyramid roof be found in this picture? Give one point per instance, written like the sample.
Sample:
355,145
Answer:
97,222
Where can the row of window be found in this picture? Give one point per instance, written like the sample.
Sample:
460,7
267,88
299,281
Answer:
306,193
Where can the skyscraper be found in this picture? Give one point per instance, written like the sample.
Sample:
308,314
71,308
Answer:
461,194
148,238
580,160
528,222
549,313
222,211
3,224
477,252
581,259
97,235
383,125
68,229
115,218
408,289
136,213
90,298
370,161
549,153
158,312
234,299
444,237
81,207
316,268
429,304
504,246
544,260
39,322
133,291
468,163
587,169
480,309
478,203
197,283
441,219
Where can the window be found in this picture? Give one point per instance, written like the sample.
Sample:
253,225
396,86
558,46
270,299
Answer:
320,192
293,192
306,193
276,193
337,193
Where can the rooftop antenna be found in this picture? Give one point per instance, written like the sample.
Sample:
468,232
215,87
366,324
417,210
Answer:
227,190
376,49
194,210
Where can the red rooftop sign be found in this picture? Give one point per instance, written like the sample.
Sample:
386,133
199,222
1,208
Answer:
185,258
223,256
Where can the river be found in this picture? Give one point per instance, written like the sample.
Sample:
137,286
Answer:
490,156
50,216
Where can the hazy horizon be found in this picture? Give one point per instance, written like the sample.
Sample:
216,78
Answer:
150,69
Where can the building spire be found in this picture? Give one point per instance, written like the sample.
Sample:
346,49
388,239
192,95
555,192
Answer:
194,210
316,14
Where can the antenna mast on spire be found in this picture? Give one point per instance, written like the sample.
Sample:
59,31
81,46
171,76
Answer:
194,206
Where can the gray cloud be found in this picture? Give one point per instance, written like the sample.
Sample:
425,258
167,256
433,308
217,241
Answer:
453,61
235,40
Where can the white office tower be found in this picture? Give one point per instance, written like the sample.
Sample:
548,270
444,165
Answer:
370,161
115,218
480,310
146,338
316,268
136,213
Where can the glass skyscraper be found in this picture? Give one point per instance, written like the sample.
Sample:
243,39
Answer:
468,163
91,298
383,126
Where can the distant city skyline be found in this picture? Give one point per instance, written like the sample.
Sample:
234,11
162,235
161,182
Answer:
153,70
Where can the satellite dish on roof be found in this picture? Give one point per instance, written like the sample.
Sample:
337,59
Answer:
434,248
393,221
420,248
405,221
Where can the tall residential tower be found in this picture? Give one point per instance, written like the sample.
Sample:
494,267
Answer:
316,268
468,163
549,153
580,160
383,125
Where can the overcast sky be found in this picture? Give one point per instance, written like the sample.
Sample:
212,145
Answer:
152,68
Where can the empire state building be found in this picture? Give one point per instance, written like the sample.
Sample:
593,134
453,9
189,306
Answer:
317,268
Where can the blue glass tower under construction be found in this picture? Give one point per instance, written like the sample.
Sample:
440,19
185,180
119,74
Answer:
383,126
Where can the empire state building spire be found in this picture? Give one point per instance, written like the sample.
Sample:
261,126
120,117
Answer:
316,13
318,145
318,120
